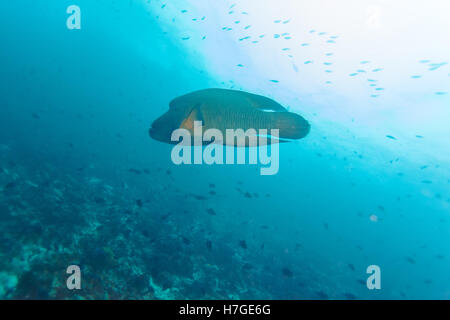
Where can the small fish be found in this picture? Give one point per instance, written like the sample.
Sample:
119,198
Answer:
322,295
209,245
362,282
99,200
410,260
349,296
164,217
211,211
10,185
243,244
391,137
136,171
287,272
198,197
351,266
185,240
435,66
247,267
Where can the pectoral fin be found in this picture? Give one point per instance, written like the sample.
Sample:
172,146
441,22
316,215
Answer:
188,122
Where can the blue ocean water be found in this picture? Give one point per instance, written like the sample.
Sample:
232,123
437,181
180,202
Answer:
83,184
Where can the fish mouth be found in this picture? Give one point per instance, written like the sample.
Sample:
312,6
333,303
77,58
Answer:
157,135
154,134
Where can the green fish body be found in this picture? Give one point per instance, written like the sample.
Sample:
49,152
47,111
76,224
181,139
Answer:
223,109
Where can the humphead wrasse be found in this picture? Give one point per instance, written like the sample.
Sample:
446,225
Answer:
223,110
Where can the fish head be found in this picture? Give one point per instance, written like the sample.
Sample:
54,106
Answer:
176,118
163,127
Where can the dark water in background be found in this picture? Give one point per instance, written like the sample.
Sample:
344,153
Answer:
82,183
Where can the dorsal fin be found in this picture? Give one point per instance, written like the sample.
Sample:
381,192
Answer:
264,104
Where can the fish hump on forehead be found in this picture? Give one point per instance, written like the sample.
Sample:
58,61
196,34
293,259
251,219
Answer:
182,102
187,109
194,99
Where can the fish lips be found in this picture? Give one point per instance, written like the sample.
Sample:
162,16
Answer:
161,136
153,133
161,129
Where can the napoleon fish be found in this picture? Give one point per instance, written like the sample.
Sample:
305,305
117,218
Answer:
224,109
